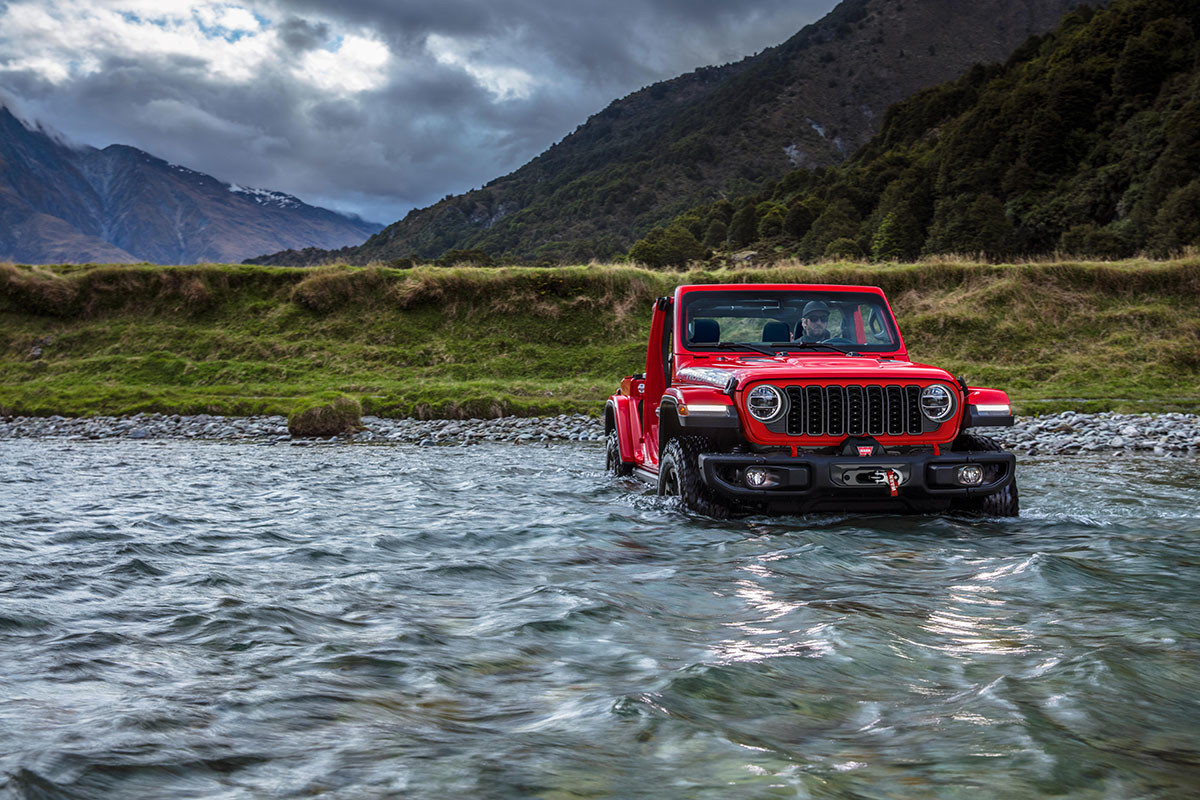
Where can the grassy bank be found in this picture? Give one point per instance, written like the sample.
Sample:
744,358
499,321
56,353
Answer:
435,342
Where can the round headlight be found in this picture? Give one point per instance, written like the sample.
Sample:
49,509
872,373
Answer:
765,403
937,402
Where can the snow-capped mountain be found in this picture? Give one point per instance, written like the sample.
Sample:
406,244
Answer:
266,197
61,203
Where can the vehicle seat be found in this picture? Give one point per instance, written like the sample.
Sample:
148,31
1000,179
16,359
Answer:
705,331
776,332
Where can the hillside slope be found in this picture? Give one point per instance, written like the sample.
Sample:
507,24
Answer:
810,101
62,203
1086,142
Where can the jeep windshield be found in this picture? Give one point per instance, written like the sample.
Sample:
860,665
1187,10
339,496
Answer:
787,321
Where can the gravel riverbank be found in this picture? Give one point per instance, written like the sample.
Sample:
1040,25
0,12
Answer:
1068,432
274,429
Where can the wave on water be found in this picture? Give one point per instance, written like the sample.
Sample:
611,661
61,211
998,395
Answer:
194,619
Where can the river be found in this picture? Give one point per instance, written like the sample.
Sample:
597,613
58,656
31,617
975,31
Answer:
209,619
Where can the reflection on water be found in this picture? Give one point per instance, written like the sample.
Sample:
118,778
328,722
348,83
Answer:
219,620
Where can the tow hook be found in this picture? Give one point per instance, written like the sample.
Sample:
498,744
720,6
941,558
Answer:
874,476
889,477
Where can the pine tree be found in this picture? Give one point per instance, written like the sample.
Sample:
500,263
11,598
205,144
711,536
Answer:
716,234
744,227
887,244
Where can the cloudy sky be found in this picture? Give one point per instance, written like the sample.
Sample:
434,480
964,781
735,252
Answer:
366,106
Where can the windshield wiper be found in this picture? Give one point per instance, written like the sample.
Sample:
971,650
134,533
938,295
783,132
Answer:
785,347
746,346
815,345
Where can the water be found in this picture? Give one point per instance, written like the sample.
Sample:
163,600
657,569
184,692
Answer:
220,620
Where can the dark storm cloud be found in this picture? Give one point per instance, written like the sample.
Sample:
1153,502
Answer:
471,91
604,41
300,34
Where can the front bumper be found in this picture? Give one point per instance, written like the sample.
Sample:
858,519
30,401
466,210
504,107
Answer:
818,481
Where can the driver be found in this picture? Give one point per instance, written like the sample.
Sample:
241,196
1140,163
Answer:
815,322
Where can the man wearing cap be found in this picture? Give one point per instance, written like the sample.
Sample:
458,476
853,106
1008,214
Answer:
814,322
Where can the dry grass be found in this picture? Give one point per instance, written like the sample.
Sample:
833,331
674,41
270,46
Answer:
619,290
449,342
35,290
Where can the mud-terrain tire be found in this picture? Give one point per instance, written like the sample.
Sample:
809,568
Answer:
1004,503
679,476
612,457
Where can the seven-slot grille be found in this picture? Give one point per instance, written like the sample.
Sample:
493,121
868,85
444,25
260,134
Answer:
854,410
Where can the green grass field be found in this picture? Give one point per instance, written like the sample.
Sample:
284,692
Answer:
432,342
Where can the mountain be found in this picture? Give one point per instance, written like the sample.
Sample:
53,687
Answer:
1087,142
718,131
60,203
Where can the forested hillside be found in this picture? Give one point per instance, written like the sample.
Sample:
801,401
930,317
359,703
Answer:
716,132
1086,142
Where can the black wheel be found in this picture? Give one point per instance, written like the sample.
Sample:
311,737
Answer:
1004,503
679,476
612,458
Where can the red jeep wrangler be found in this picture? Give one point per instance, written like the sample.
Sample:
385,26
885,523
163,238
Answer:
801,398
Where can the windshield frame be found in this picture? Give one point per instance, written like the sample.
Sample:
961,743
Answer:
790,301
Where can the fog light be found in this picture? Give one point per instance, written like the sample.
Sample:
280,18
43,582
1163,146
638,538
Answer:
970,475
759,478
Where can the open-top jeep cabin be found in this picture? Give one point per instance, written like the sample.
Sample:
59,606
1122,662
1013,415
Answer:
800,398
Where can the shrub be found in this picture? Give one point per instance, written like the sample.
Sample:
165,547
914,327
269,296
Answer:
326,418
674,246
1091,241
844,247
771,224
465,258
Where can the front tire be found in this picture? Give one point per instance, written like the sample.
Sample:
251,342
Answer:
679,476
612,456
1004,503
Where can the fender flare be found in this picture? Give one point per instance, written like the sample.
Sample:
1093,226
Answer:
616,418
985,407
668,421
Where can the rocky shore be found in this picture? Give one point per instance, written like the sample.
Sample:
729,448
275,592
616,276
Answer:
1068,432
274,429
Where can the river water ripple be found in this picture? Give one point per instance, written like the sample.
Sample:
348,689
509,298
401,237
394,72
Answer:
190,619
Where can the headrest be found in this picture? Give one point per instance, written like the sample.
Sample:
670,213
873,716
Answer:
776,332
705,331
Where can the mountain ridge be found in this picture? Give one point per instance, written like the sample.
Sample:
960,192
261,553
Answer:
61,202
810,101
